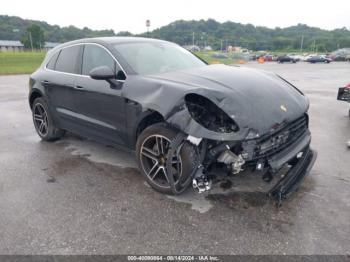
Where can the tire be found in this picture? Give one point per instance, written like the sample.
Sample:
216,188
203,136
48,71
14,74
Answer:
43,121
186,160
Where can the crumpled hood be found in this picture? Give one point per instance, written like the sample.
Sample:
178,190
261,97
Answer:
254,99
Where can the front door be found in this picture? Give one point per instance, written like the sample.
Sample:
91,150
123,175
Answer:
101,109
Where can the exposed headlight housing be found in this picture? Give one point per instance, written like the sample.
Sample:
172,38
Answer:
209,115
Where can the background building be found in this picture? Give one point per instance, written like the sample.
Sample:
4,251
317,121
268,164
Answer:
17,46
14,46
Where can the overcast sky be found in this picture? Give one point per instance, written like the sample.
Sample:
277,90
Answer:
130,15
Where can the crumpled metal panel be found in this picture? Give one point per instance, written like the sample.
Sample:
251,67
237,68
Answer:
256,100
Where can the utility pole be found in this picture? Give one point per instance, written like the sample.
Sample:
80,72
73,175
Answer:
148,24
31,40
203,39
314,49
221,45
192,39
301,43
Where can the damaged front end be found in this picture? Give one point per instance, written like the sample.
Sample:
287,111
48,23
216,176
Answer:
286,147
238,119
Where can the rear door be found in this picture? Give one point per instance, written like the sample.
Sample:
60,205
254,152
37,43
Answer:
101,109
60,84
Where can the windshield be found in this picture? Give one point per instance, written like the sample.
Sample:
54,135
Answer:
147,58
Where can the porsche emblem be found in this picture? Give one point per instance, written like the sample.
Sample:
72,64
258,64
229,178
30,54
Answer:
283,108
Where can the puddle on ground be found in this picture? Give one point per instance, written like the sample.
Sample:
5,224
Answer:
99,153
197,201
239,200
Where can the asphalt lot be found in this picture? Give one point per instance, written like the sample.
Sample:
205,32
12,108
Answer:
80,197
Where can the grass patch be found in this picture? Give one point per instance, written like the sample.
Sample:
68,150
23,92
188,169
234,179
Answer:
211,57
207,57
20,62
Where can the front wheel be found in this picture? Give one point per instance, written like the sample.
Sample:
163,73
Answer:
151,152
43,121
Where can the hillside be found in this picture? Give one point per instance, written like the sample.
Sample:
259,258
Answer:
13,28
208,32
253,37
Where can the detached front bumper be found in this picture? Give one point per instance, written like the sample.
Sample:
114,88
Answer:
292,180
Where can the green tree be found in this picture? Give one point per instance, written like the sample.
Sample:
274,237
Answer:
34,37
124,33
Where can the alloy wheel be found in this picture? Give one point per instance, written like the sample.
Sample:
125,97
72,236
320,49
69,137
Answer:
40,119
153,158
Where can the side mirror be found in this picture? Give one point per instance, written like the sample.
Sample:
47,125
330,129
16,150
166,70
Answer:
106,73
102,73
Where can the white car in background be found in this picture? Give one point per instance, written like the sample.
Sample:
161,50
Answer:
308,56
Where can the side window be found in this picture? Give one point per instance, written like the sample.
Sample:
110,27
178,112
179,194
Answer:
51,64
95,56
67,60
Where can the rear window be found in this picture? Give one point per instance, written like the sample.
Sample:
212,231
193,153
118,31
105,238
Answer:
67,60
51,64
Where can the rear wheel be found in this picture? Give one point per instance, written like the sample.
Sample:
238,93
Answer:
151,152
43,121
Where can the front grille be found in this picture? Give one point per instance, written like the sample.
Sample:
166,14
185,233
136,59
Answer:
281,139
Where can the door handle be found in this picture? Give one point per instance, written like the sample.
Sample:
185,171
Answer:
45,82
130,102
79,87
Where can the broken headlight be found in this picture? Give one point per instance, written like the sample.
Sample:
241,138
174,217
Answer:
209,115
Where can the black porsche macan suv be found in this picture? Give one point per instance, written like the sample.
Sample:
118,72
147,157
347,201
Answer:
188,122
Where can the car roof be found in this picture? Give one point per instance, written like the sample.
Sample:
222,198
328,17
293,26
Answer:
106,41
112,40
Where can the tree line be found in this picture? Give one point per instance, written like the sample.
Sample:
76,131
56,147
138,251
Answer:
215,34
202,33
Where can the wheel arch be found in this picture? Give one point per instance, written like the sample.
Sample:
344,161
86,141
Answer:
149,118
34,95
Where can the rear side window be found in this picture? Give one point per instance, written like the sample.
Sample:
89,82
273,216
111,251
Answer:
95,56
51,64
67,60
